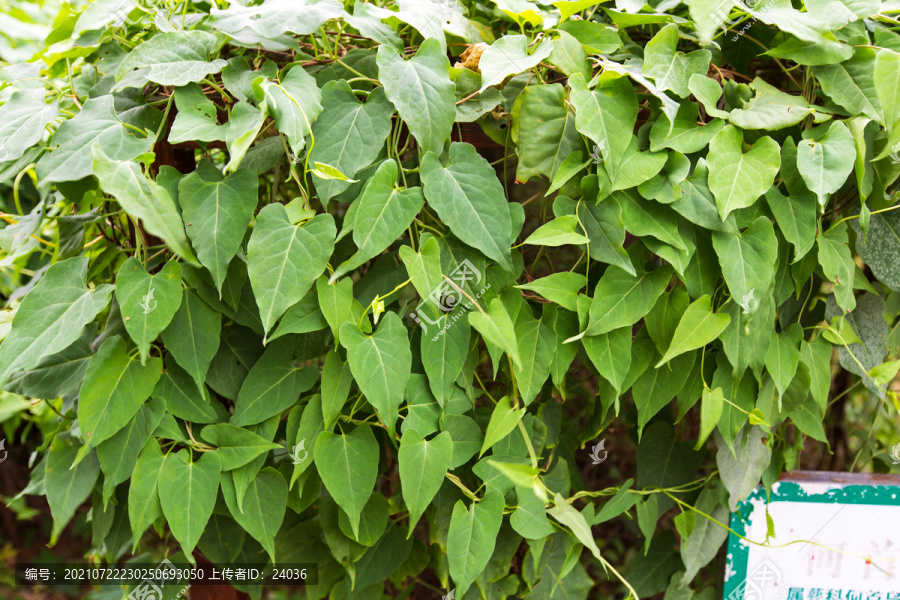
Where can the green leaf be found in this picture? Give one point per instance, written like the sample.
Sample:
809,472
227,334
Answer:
349,134
445,357
509,56
645,217
283,260
621,299
887,87
603,224
707,536
566,514
235,446
196,117
182,396
670,69
348,466
634,167
885,372
741,471
837,263
472,537
504,419
558,232
468,197
148,303
271,21
143,199
422,466
851,84
143,496
698,326
115,386
466,435
610,354
381,364
57,374
422,91
770,109
118,455
171,58
23,118
656,387
187,494
748,261
796,218
541,116
535,345
683,134
294,104
783,356
246,121
96,122
384,212
648,514
66,485
822,159
336,382
736,178
273,385
530,517
497,327
52,316
264,506
606,115
217,213
561,288
193,336
711,408
424,266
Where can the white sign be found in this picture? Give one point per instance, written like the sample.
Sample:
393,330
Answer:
833,541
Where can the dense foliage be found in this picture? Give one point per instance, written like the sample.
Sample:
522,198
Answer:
366,285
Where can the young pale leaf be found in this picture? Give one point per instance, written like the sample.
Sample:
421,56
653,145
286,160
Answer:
294,104
283,260
472,537
558,232
148,303
566,514
561,288
698,326
711,407
115,386
423,464
23,118
348,466
380,364
504,419
217,213
187,494
885,372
